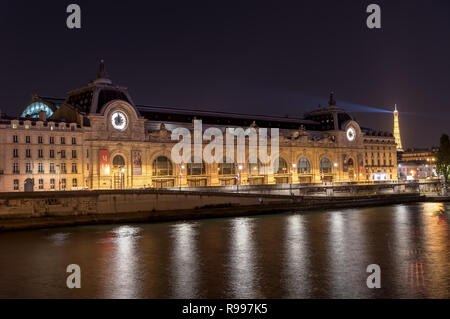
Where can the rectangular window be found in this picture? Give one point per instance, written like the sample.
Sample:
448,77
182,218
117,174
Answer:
16,168
15,139
40,168
74,153
52,140
74,141
40,140
28,168
63,154
41,183
63,140
40,153
16,184
52,183
52,168
52,153
74,182
15,152
63,168
28,139
63,183
74,168
28,153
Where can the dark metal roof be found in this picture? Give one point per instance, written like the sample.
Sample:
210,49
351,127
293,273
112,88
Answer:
171,114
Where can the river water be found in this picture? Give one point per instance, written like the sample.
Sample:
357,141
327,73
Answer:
317,254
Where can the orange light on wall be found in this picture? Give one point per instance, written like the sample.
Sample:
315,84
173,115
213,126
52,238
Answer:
104,162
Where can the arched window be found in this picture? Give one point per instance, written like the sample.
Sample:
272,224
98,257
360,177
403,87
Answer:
282,166
162,166
303,166
194,169
255,168
118,161
350,162
227,168
325,166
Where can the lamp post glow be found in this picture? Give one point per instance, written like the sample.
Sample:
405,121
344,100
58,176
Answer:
238,177
122,171
292,177
181,174
338,173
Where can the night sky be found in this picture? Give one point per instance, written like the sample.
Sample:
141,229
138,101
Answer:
260,58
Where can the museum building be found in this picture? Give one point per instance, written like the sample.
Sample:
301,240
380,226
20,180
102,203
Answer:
98,138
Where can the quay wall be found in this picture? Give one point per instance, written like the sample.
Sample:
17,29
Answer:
51,209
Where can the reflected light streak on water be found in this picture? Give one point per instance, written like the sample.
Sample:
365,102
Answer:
436,241
124,277
336,251
403,247
296,257
316,254
184,258
242,271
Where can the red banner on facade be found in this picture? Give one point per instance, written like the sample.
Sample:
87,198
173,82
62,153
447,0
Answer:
104,162
137,162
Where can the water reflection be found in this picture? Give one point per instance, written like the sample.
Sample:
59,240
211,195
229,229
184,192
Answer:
407,251
125,263
296,258
346,255
314,254
184,261
58,239
436,242
242,271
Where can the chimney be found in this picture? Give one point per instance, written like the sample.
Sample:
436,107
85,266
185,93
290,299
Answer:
42,116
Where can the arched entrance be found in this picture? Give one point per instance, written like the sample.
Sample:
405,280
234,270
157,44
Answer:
163,173
326,170
119,172
28,185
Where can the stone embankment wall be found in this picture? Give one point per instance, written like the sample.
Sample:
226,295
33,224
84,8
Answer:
48,209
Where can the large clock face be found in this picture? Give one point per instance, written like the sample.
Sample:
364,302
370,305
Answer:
119,121
351,134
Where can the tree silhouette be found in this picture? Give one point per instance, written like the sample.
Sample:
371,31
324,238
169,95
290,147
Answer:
443,158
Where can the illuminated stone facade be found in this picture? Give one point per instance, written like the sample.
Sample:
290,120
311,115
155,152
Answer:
97,138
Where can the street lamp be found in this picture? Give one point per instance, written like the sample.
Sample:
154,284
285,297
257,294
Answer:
292,177
238,177
122,171
181,174
338,172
